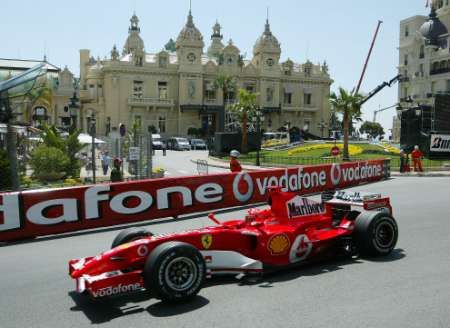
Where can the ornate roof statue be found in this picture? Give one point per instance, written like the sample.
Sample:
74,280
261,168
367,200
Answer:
114,53
170,46
134,41
190,36
267,42
325,67
432,29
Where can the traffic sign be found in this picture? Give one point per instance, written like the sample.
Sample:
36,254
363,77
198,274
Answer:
335,151
134,153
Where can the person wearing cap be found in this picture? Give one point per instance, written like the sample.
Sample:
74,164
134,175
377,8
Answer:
116,174
417,159
235,166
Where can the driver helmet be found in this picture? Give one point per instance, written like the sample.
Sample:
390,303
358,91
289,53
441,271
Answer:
235,153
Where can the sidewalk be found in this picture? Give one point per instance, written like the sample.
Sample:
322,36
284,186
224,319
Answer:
429,174
213,162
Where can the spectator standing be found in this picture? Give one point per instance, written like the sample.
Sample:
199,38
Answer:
106,160
402,161
235,166
417,159
116,174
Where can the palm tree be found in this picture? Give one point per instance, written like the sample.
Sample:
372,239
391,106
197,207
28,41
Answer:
244,109
227,84
349,105
69,145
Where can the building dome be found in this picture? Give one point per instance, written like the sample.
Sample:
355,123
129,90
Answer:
267,42
190,35
134,41
432,29
231,48
216,47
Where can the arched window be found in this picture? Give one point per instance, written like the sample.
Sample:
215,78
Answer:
443,64
422,51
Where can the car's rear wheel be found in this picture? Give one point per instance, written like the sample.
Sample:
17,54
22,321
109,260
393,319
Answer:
129,235
174,272
375,233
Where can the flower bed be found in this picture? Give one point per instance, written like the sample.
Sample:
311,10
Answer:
352,149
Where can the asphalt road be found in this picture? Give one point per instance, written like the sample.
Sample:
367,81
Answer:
410,288
178,163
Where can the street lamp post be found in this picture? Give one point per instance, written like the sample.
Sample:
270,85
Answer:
208,132
287,125
257,119
73,110
322,125
92,128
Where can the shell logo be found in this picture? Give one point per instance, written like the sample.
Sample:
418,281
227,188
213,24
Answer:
279,244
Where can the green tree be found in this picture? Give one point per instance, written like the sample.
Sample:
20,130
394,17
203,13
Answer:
5,176
244,110
48,163
68,145
349,105
373,129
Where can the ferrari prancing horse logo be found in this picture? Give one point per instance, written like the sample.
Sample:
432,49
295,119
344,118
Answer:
207,241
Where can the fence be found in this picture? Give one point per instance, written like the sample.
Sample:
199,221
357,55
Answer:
271,160
140,166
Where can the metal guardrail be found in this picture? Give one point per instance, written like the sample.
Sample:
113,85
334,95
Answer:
202,167
428,165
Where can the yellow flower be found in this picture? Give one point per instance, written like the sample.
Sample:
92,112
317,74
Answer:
352,149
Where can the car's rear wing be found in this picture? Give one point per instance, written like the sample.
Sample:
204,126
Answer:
368,201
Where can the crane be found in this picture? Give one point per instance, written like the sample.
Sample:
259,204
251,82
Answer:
381,87
381,110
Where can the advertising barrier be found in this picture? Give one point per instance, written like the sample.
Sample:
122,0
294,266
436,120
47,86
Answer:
30,214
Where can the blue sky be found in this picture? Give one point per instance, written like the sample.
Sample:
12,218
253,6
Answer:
339,32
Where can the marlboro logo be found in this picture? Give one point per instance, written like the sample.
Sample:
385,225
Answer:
300,206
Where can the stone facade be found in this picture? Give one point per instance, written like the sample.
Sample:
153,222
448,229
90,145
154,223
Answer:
424,57
172,91
38,112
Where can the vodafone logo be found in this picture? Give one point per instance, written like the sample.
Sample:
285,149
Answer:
44,212
236,183
108,291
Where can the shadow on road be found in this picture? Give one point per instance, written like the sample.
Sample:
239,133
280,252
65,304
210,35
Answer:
161,309
110,308
107,309
396,254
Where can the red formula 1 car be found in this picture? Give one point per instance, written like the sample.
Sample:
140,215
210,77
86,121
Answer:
172,267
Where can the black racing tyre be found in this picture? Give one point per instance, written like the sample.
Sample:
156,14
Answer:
174,272
375,233
130,234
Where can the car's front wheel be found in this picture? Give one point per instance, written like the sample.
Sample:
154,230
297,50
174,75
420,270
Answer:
375,233
174,272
